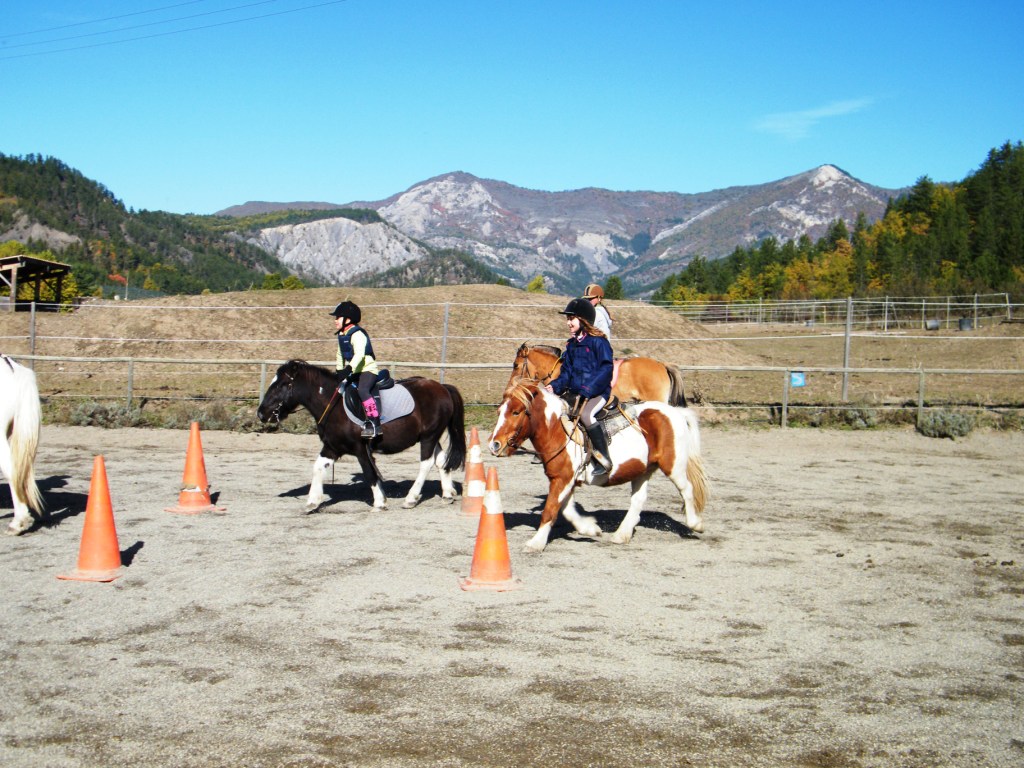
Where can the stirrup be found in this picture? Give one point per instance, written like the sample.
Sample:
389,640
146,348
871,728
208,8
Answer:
369,431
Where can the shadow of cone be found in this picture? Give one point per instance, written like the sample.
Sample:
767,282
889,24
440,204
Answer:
195,490
491,568
99,556
473,486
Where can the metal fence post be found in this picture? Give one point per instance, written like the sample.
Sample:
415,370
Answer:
920,397
444,341
263,379
131,380
846,346
785,400
31,331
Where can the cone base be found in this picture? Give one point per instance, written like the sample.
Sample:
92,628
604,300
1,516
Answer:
194,510
79,575
473,508
469,584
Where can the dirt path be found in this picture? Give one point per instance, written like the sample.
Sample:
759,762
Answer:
857,600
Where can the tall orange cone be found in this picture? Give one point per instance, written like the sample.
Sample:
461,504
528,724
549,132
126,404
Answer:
195,490
491,568
99,556
474,485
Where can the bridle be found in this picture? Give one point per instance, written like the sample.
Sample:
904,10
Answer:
275,414
521,393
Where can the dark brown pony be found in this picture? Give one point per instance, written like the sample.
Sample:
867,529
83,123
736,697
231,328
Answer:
438,409
661,437
636,378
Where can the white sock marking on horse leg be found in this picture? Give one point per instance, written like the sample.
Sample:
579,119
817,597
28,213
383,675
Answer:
582,523
413,497
316,485
380,500
637,499
539,540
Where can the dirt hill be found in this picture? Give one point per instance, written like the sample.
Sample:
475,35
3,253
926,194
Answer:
413,331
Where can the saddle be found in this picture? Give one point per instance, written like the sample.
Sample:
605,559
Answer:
395,401
612,418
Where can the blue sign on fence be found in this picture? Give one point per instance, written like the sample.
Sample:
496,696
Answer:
797,379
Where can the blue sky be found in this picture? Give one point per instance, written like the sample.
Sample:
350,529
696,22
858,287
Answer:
197,106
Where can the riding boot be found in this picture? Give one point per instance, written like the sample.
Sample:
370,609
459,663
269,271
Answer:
371,408
599,449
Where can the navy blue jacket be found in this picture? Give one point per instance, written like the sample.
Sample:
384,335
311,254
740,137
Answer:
586,368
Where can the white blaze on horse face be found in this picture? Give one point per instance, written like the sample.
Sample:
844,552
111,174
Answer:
493,442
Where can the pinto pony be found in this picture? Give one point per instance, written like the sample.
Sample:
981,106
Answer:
437,408
20,418
635,378
653,436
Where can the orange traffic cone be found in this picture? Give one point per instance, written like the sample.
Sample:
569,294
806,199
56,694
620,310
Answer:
491,568
195,490
99,556
473,486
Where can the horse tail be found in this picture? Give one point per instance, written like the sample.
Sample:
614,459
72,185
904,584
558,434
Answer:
24,438
695,471
456,454
676,396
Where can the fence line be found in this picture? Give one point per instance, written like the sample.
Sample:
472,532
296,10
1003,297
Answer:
786,385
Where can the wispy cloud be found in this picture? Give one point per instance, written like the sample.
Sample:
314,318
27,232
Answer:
797,125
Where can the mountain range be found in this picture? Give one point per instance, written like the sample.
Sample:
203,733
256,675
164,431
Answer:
571,238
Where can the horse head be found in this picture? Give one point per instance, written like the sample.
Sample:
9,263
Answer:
538,362
527,412
285,393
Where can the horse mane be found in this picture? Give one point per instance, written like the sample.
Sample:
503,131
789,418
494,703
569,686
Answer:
546,348
520,388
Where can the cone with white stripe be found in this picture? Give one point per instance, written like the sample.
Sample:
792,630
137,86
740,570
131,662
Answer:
492,567
474,485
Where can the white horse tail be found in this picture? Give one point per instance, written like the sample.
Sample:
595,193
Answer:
695,471
24,438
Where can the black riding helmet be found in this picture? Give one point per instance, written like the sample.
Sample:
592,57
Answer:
349,311
581,308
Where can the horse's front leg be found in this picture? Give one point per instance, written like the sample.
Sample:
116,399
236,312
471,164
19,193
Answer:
316,485
560,500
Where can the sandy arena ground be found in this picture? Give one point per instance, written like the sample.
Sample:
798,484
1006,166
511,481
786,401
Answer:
856,600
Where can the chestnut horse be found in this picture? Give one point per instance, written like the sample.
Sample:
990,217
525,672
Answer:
652,435
437,408
635,378
20,419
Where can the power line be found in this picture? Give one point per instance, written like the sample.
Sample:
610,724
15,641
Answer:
173,32
139,26
99,21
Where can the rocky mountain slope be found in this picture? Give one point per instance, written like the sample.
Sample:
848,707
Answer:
576,236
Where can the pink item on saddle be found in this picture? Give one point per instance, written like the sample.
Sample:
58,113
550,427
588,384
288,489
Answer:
370,407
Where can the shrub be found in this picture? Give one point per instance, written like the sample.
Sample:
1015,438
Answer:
949,424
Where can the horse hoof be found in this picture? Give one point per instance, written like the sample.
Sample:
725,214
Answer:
620,538
13,530
448,499
410,503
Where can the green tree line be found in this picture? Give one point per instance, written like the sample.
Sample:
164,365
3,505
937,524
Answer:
938,239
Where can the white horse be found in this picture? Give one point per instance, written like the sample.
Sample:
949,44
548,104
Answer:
20,418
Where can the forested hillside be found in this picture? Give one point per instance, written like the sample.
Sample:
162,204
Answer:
940,239
53,212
